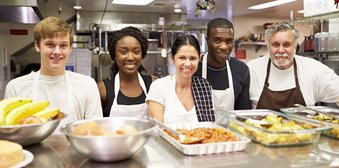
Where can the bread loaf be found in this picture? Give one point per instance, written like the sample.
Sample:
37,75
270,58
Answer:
10,153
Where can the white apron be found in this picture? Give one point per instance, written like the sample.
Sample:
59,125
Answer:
175,112
223,100
67,109
137,110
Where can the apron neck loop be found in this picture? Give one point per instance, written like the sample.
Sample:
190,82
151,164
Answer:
117,86
268,70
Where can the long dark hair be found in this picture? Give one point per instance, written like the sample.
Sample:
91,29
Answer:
115,36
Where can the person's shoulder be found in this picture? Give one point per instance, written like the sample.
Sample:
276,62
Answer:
146,76
305,59
165,79
162,83
258,61
237,63
25,78
310,64
79,76
201,80
81,80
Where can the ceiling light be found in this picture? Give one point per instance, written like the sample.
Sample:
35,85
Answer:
132,2
270,4
177,8
77,7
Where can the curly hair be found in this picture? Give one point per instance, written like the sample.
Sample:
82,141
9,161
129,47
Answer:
115,36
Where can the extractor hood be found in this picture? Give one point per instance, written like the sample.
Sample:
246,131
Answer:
19,11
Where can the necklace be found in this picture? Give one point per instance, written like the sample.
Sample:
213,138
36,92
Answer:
221,69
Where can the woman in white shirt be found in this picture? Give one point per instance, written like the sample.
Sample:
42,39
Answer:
182,98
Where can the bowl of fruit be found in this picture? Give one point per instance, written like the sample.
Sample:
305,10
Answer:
27,122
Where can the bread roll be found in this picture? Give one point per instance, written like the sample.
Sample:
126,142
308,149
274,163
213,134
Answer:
10,154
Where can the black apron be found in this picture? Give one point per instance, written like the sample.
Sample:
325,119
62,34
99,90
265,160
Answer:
275,100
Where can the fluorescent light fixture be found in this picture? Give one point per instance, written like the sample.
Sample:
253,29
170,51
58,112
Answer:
177,10
77,7
300,11
132,2
270,4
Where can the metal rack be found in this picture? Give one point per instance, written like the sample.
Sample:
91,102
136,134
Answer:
257,44
321,56
322,16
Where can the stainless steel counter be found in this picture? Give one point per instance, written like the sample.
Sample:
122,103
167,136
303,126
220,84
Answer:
55,151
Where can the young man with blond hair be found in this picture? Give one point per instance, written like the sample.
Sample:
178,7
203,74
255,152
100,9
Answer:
75,94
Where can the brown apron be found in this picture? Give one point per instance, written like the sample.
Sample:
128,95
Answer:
275,100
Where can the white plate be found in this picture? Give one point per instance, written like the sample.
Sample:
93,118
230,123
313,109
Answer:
28,159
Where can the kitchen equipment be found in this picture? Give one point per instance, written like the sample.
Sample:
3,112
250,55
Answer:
207,148
182,138
321,41
30,134
285,130
110,148
321,114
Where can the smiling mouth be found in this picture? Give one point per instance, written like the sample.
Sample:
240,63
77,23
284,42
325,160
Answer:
224,54
56,59
130,65
186,70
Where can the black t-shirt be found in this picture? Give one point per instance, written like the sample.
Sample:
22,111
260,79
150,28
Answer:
122,99
241,81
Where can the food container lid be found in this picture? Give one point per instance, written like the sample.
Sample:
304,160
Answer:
301,112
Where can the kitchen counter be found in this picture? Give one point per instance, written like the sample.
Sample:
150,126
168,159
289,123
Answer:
56,151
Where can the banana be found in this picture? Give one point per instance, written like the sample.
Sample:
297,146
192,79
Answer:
14,116
47,113
7,105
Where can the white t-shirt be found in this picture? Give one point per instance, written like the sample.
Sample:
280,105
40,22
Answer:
318,83
163,91
85,91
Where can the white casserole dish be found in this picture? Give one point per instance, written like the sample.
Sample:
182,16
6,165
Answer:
208,148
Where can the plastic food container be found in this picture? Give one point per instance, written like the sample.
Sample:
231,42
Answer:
327,115
284,130
208,148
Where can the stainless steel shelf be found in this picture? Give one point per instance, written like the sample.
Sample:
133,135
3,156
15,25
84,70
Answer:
256,44
327,53
323,16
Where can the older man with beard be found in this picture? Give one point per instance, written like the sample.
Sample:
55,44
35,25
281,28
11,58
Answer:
282,79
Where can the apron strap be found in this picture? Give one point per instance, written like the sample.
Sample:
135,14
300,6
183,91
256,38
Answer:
117,87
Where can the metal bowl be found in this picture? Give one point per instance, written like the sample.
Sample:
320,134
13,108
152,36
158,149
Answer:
30,134
109,148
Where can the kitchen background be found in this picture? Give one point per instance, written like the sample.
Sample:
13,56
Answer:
318,27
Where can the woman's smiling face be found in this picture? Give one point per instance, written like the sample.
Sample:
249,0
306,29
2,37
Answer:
186,61
128,55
